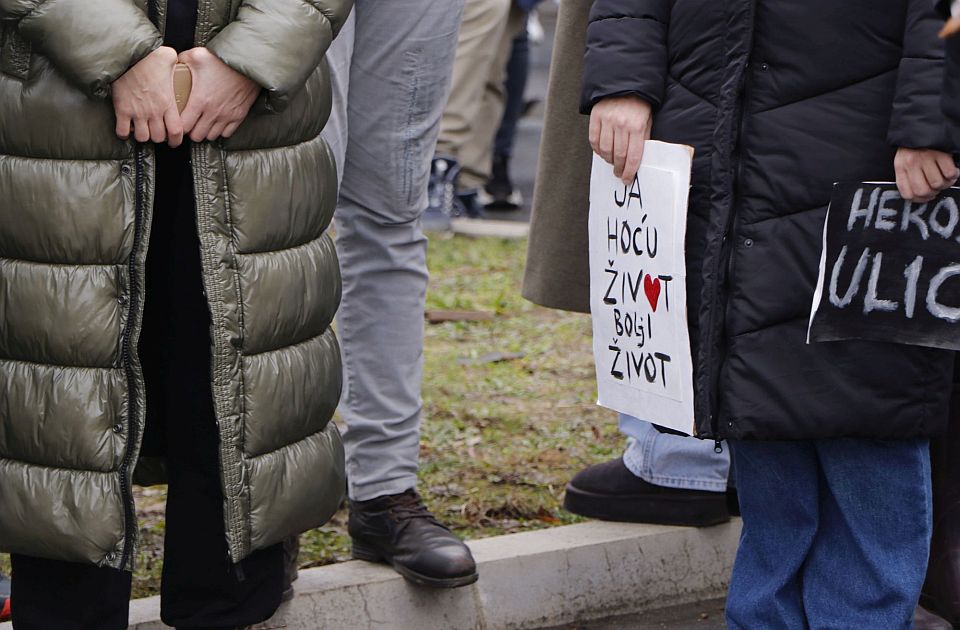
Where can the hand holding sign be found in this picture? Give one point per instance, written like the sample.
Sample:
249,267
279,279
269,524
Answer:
619,128
922,174
638,289
890,268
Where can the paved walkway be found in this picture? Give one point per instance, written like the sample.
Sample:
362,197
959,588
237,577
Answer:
702,616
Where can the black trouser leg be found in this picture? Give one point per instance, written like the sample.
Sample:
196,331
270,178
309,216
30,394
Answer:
50,594
201,586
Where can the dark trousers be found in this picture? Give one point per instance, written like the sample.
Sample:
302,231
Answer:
518,70
201,587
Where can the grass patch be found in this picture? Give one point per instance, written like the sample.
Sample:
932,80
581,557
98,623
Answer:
500,440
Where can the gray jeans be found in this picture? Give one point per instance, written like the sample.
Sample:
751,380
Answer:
391,70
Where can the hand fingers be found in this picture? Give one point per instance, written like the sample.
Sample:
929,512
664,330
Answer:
171,119
931,172
634,157
231,129
606,143
191,115
158,131
903,182
141,130
595,125
216,131
948,168
922,191
621,142
202,128
124,125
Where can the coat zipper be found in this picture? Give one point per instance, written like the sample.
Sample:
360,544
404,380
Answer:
133,410
133,300
729,229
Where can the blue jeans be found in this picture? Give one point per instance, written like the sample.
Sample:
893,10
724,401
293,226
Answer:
836,534
673,461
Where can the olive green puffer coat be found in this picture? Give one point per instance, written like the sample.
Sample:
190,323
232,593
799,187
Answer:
75,216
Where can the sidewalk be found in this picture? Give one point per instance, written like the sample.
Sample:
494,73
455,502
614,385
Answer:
542,579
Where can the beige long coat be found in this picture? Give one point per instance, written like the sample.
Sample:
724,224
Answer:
557,274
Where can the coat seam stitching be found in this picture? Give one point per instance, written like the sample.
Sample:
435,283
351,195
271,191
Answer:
826,92
321,335
59,365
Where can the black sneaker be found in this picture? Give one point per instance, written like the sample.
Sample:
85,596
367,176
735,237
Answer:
500,193
610,492
441,193
399,530
467,204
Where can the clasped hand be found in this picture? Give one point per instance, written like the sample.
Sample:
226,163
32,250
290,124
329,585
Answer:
146,108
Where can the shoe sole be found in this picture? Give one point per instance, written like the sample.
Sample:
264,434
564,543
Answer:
645,508
368,554
930,603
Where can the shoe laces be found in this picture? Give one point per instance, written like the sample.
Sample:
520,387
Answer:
409,506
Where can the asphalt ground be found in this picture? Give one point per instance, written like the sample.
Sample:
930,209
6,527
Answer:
701,616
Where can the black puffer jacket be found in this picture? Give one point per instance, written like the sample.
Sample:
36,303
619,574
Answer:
781,99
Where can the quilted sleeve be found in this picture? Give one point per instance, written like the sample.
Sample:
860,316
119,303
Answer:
626,51
92,42
917,121
279,43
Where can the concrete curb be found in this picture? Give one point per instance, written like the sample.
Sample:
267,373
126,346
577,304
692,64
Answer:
537,579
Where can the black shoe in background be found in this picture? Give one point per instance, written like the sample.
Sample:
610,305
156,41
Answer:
500,193
467,204
399,530
610,492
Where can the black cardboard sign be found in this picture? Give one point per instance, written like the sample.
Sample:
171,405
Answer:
890,269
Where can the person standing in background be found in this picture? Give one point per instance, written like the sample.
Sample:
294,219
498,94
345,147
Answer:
477,96
830,441
660,478
499,192
391,75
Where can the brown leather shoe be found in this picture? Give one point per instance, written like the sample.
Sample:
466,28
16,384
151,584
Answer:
941,592
399,530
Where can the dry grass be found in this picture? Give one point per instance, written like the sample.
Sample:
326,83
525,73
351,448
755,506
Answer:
500,439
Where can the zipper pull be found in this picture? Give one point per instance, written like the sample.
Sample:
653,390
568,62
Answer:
717,447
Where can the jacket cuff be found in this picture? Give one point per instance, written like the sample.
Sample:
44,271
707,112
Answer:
625,55
917,120
91,42
278,44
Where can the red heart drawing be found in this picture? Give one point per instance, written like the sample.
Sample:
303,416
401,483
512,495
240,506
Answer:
651,286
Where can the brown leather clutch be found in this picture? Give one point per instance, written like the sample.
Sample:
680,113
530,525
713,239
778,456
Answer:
182,84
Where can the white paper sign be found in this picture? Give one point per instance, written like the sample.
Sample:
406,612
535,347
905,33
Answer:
638,293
